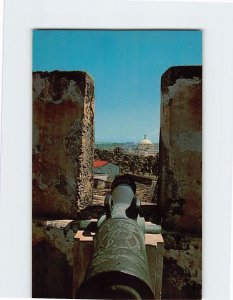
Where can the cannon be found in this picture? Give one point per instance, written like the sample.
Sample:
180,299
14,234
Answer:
119,267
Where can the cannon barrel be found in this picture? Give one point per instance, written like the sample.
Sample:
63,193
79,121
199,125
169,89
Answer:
119,268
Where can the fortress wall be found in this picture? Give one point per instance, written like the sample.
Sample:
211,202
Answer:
62,175
63,141
180,180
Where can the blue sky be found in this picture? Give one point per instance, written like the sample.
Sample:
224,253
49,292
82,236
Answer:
126,66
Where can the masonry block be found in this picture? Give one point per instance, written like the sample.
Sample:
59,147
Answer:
180,181
182,266
63,141
52,258
180,169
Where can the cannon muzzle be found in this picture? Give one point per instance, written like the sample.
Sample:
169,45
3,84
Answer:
119,268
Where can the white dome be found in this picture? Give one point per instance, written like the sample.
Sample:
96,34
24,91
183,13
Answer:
145,141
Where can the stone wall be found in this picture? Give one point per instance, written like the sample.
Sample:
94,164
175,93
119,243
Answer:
63,141
63,152
52,258
180,181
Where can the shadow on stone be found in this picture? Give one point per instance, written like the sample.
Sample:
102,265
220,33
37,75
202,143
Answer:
51,273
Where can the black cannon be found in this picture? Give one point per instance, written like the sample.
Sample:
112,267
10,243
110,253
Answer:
119,268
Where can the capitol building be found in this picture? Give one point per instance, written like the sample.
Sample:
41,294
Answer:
146,148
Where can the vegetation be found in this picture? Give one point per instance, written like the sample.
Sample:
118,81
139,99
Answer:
110,146
129,163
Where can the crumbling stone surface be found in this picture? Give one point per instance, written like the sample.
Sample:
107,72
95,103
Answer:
52,258
180,181
59,232
180,171
63,143
182,266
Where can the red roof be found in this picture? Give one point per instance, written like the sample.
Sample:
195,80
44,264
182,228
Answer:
100,163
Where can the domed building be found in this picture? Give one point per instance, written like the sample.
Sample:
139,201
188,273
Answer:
146,147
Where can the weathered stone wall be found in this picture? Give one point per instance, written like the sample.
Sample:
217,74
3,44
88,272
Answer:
182,266
180,177
63,143
52,258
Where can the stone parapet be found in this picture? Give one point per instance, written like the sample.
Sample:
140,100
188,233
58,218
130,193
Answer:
180,169
182,266
180,181
52,258
63,143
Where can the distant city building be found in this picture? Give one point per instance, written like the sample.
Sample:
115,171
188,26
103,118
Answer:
105,170
146,148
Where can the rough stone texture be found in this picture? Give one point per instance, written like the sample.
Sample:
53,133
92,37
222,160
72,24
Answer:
180,172
182,266
179,184
52,258
63,141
